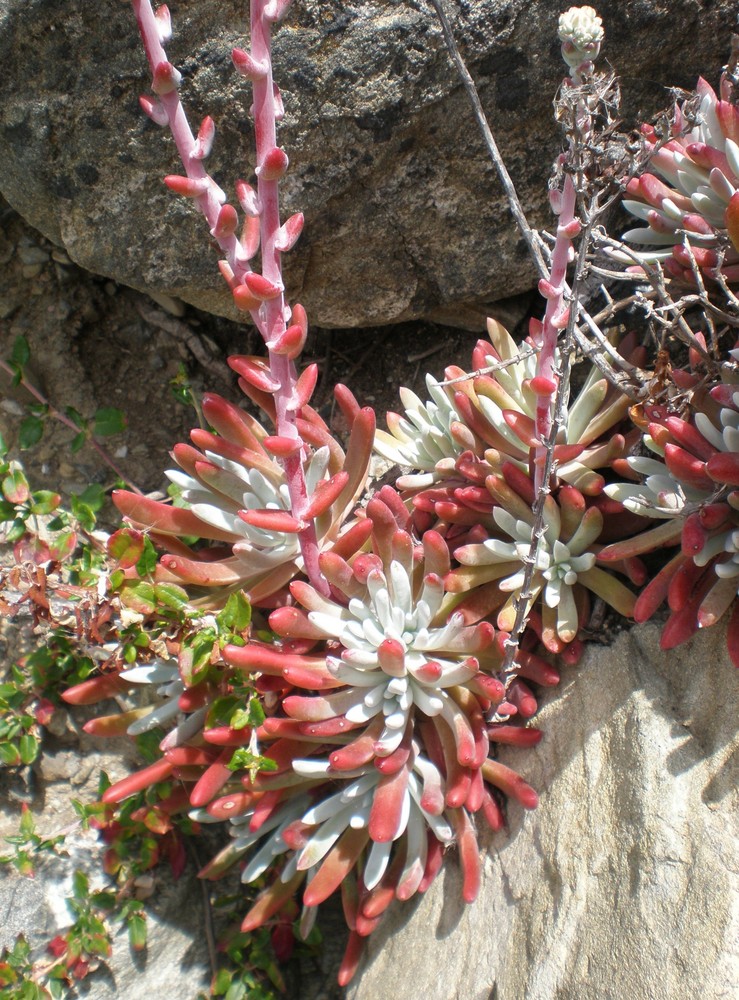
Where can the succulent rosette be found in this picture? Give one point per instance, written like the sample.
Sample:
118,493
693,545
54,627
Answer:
237,501
380,735
474,423
565,569
692,488
688,194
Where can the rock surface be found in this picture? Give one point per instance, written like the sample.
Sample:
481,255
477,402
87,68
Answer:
405,217
625,881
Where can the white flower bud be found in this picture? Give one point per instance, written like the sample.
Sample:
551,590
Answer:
581,34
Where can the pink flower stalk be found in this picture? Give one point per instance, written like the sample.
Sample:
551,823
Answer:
581,34
260,294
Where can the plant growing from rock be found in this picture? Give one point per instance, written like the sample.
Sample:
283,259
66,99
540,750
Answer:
332,673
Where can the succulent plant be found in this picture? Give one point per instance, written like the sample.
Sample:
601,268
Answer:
237,500
692,488
688,195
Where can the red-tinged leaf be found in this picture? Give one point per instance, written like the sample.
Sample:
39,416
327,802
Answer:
62,545
723,467
204,574
272,520
536,668
687,469
138,781
510,783
351,958
289,343
469,854
139,595
126,546
305,386
731,219
516,736
165,519
694,536
542,386
667,533
204,141
231,805
689,437
251,234
261,288
270,901
289,233
244,299
96,689
717,601
523,427
226,222
336,866
226,736
655,593
681,626
274,165
108,726
255,371
188,187
520,695
267,659
311,677
282,446
249,67
387,806
166,79
359,752
293,623
714,516
397,759
185,756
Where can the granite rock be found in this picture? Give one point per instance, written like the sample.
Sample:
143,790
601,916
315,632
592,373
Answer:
405,217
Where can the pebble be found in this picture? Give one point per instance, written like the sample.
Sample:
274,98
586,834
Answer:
32,254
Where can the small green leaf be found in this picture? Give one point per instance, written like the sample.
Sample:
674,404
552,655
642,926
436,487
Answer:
148,560
77,441
171,596
76,417
80,885
108,421
137,931
44,501
30,433
236,614
256,712
93,496
28,747
240,719
21,353
248,761
9,755
139,596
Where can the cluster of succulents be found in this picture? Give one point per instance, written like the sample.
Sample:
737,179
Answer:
688,194
347,727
